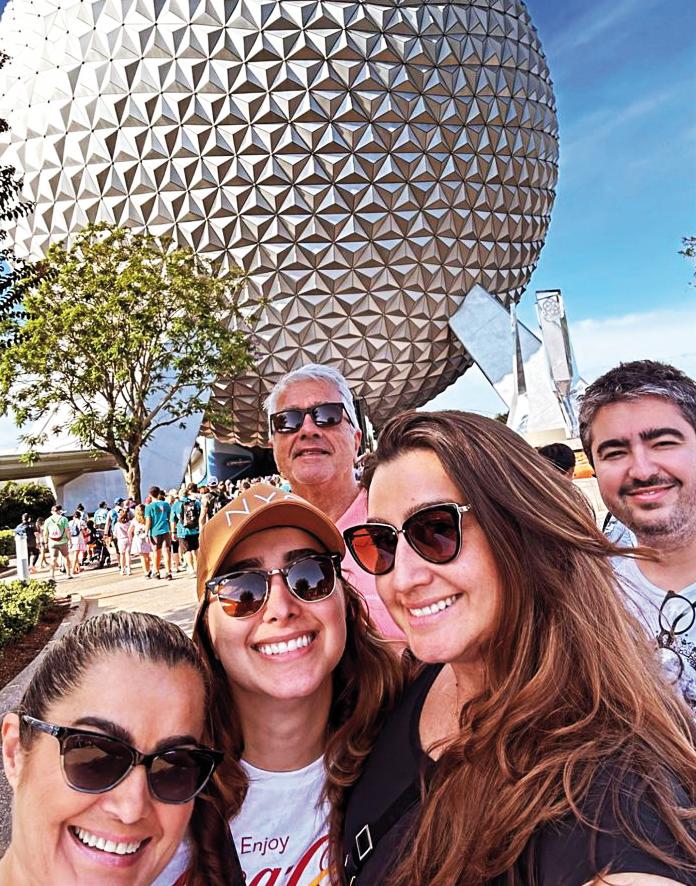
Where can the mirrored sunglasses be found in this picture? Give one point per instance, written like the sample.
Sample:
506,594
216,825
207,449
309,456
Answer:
245,592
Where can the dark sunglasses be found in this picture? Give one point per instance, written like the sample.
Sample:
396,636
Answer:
324,415
434,533
245,592
94,763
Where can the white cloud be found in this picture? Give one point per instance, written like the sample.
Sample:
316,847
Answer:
666,335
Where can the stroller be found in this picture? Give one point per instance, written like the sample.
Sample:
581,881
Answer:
98,555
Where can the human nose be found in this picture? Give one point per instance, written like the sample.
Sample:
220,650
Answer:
130,801
281,604
642,463
308,426
410,571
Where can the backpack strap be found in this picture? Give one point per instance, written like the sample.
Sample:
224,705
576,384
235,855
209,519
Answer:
371,833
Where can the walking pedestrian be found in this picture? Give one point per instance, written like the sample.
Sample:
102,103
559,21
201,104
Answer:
140,540
122,538
157,515
77,544
185,521
41,542
56,535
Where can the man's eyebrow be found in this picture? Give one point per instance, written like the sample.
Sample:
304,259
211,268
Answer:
647,435
654,433
614,443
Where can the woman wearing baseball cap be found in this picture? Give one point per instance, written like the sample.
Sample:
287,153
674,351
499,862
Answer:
298,671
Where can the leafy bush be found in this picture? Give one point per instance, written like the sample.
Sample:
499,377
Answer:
7,543
4,561
19,498
21,605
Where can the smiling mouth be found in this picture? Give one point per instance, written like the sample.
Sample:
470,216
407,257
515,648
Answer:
108,846
301,452
434,608
649,491
284,647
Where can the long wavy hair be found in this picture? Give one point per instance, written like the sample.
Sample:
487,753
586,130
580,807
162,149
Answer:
571,683
366,684
148,638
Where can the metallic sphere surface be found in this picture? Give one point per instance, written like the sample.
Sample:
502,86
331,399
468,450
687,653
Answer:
365,162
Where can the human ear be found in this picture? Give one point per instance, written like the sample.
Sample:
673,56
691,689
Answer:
357,438
13,755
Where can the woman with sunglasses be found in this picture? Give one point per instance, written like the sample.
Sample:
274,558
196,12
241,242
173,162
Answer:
298,670
538,744
104,790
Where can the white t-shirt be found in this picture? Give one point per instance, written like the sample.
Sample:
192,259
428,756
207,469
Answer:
646,599
281,832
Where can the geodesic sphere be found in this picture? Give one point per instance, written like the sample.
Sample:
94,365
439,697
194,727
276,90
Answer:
365,162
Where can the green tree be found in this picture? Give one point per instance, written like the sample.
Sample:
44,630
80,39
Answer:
13,272
126,333
19,498
689,250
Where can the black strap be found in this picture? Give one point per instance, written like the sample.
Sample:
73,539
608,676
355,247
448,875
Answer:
368,837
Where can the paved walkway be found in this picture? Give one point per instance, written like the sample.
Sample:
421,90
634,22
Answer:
105,590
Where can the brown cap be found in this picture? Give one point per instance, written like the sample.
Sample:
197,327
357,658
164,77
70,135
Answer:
261,507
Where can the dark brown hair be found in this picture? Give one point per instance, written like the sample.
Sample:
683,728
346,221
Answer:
149,638
366,683
571,681
631,381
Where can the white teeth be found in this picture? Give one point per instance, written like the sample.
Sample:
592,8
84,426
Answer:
434,607
283,647
106,845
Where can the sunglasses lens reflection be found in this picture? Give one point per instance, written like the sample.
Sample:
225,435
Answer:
324,415
287,422
243,594
374,548
327,414
312,579
434,534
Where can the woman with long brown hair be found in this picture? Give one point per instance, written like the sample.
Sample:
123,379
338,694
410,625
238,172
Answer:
300,676
539,743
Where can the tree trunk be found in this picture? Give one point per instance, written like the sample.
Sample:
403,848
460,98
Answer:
132,475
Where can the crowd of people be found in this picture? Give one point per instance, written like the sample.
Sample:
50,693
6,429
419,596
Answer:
444,674
161,532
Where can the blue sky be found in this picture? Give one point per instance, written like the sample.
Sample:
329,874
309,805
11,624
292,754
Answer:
624,73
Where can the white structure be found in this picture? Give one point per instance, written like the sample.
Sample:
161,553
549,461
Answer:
535,377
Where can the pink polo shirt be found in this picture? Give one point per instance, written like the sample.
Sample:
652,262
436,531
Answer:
361,580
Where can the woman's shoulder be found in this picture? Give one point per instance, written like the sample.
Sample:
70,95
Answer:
619,816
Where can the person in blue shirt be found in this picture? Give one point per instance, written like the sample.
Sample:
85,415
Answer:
157,516
185,518
100,516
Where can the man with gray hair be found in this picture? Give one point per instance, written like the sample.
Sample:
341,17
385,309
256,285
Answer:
638,428
315,435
